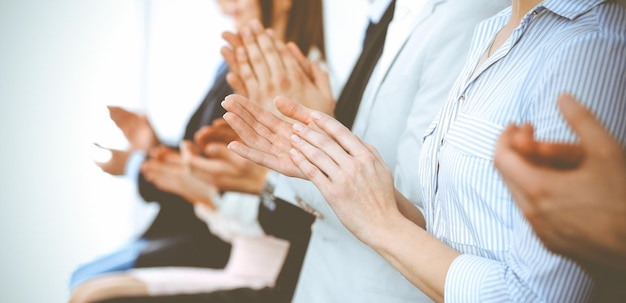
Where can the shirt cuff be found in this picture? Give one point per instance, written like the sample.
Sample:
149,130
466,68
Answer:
282,189
468,278
133,165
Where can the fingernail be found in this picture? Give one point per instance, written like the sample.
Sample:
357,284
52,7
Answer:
568,103
295,138
247,32
256,25
316,115
293,152
241,52
298,127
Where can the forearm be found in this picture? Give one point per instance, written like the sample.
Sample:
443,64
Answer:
409,210
416,254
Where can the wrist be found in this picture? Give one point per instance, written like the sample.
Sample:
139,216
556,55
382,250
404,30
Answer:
380,236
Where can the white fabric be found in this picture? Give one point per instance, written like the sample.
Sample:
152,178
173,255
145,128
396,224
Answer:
255,262
236,214
426,47
377,10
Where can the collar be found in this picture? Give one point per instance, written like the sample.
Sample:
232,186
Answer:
570,9
377,10
414,6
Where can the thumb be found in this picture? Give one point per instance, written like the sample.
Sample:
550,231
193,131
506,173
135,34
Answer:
588,129
293,110
217,151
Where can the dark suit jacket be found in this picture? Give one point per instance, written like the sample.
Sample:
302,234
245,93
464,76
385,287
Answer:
176,225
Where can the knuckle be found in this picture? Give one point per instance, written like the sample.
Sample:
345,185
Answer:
284,82
270,89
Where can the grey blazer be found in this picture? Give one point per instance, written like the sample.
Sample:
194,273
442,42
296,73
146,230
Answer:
425,49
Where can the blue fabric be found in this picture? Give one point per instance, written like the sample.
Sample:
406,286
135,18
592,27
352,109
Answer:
120,260
560,46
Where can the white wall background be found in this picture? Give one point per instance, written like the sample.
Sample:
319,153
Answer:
61,62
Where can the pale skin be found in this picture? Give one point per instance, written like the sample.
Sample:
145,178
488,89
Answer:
139,133
269,67
264,67
352,177
572,194
186,173
221,167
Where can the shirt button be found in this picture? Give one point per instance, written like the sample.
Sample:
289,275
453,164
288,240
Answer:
442,140
462,98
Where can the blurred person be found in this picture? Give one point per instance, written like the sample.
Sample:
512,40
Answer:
573,194
410,47
424,44
177,237
468,242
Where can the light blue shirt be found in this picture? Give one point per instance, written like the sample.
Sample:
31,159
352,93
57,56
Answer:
560,46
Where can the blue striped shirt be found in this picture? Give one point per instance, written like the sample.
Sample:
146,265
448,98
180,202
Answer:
560,46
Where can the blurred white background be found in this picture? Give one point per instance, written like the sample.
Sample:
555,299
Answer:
61,63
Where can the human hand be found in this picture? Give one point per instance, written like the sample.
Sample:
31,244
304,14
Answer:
135,128
265,67
573,195
219,131
116,163
168,171
350,174
265,137
226,170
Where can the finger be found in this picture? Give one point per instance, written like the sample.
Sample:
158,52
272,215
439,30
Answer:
560,155
554,155
215,133
171,157
261,158
372,150
255,56
220,151
237,84
231,58
293,69
268,51
249,135
308,170
322,81
523,141
234,40
302,60
293,110
211,167
199,137
119,115
341,134
321,150
507,160
591,132
219,123
246,73
264,123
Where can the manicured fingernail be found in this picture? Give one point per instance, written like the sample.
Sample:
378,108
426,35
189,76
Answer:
298,127
293,152
295,138
316,115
